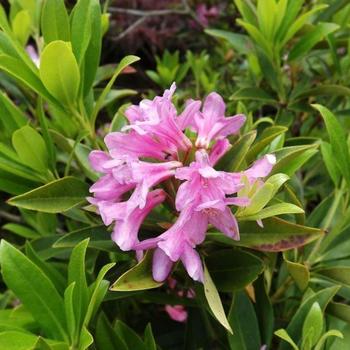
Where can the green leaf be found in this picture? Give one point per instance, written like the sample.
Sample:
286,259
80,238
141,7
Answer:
338,141
290,159
76,273
300,273
85,340
21,26
273,210
324,90
16,68
54,21
81,28
97,289
44,302
60,76
258,201
130,337
126,61
244,322
214,301
339,310
331,165
106,337
12,117
15,340
234,158
282,333
276,235
308,41
55,197
340,274
69,311
137,278
241,43
233,269
100,238
253,93
21,230
323,297
150,342
268,135
313,325
31,148
93,51
325,336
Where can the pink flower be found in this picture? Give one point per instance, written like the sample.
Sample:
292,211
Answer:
177,312
153,160
211,124
204,14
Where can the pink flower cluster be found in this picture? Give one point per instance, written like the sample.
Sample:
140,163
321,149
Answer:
166,157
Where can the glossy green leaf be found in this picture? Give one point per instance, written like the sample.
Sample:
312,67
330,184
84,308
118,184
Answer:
54,21
60,76
338,141
138,277
16,340
69,311
276,235
233,269
325,336
55,197
313,325
244,323
214,301
45,304
31,148
149,338
76,273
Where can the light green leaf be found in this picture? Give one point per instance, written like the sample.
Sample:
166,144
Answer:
330,163
300,273
340,274
55,197
60,76
54,21
21,230
31,148
137,278
325,336
273,210
214,301
21,26
282,333
313,325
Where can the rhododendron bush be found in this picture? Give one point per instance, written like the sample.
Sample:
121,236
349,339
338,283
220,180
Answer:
195,197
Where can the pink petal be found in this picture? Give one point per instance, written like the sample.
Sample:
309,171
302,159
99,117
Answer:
97,160
192,263
262,167
162,265
218,150
214,107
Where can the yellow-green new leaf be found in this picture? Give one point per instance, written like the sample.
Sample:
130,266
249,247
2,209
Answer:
59,72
